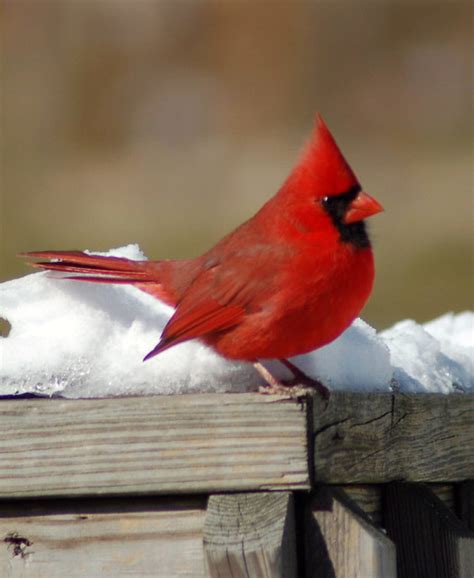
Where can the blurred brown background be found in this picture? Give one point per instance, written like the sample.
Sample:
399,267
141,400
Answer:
167,123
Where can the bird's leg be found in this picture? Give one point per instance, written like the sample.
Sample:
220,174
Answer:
299,385
274,386
300,378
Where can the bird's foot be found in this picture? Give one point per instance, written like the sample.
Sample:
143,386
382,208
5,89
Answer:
275,387
300,385
300,378
295,391
308,384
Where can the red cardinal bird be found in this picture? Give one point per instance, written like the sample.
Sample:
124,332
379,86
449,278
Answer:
289,280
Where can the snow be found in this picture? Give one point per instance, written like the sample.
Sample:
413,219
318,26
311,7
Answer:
435,357
88,340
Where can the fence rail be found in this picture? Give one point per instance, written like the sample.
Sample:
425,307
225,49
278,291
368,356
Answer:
241,485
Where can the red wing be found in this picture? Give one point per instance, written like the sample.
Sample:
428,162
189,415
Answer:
201,312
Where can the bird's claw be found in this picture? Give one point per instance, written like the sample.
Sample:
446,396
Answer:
294,391
309,384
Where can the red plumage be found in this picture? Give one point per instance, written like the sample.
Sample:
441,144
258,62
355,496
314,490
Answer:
290,279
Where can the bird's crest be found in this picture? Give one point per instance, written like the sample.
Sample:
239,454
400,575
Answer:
322,169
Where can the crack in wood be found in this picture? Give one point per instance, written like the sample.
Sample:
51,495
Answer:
329,425
368,456
392,408
244,558
442,438
399,420
379,417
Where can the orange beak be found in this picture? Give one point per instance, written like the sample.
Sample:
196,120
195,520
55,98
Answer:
362,206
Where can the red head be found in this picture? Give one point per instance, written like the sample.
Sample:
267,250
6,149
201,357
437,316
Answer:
323,173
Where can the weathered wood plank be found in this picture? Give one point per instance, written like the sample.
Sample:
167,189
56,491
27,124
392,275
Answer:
431,541
164,444
250,536
107,538
367,497
342,543
374,438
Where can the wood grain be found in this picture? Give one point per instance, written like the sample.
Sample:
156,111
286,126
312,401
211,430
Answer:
431,540
250,536
107,538
230,442
164,444
341,543
374,438
367,497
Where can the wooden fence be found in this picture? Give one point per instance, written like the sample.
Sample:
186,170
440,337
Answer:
244,485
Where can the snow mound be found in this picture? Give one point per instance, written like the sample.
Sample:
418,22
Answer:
88,340
435,357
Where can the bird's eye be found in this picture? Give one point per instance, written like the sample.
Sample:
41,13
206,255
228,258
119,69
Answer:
325,200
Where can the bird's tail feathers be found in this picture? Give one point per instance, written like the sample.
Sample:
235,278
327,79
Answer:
101,269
